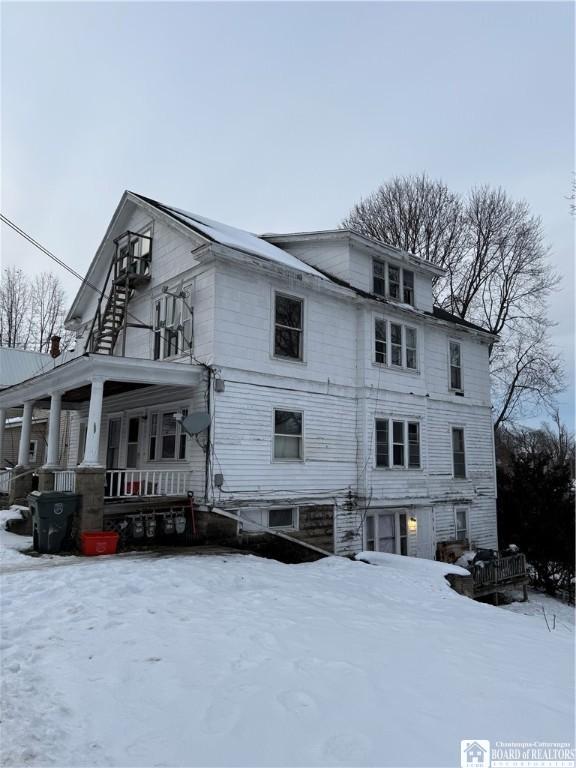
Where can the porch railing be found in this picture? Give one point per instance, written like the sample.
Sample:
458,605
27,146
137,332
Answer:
500,570
5,476
126,483
65,480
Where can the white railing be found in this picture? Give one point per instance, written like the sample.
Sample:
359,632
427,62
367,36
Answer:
122,483
5,475
65,480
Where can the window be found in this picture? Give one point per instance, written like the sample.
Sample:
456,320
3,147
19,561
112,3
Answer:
401,340
410,336
408,286
413,445
379,274
32,451
382,448
458,452
166,438
282,517
288,327
398,443
455,366
396,343
461,523
386,532
392,282
81,441
135,253
288,435
399,452
173,327
380,341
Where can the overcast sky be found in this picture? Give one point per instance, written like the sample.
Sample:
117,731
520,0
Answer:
279,116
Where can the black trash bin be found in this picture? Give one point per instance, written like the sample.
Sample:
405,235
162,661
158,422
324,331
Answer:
52,514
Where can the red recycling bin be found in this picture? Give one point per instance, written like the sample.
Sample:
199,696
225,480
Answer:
99,543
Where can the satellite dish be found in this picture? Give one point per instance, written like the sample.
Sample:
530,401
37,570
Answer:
196,422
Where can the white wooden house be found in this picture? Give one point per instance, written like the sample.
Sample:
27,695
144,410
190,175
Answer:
345,408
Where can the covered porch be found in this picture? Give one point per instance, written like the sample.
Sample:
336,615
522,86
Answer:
111,464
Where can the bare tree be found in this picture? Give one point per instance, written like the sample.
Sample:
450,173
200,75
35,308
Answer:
15,319
31,311
497,275
47,310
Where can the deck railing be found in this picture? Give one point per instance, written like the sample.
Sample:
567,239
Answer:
126,483
5,476
65,480
500,570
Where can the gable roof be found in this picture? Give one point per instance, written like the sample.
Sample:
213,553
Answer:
232,237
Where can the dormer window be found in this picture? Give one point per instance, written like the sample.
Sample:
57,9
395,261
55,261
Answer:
393,282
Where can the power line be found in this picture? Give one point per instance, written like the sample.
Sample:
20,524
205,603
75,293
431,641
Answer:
84,281
65,266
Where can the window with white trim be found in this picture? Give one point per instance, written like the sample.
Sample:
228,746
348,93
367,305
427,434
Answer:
397,443
283,517
173,327
32,451
458,452
392,282
461,523
288,327
455,366
386,532
288,443
395,344
166,438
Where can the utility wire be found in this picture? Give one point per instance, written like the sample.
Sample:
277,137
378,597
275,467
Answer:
61,263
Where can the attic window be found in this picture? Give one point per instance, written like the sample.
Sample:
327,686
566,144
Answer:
393,282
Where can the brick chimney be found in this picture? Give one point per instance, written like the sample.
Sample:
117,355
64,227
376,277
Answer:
55,346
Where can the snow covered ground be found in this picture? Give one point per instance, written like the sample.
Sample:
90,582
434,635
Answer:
241,661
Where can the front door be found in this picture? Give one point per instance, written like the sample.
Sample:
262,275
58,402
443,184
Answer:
113,446
386,532
132,451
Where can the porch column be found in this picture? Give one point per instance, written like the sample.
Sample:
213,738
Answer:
24,448
91,452
2,425
52,458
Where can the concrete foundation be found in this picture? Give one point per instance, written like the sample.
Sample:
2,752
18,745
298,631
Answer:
90,483
45,480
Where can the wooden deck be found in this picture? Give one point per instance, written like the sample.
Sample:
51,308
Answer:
500,574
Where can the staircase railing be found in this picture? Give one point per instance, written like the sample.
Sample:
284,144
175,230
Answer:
98,316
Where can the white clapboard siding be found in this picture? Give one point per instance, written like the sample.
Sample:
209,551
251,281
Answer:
338,386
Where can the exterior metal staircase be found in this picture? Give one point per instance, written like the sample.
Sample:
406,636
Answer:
129,270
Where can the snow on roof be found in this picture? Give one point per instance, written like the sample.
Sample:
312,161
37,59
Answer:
235,238
17,365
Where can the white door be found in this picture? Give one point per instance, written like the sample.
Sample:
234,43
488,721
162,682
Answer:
424,538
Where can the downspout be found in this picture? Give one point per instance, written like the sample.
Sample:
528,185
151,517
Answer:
208,434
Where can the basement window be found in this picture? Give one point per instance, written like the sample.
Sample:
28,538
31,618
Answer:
283,517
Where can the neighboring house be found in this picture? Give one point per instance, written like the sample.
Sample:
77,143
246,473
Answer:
17,365
346,409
